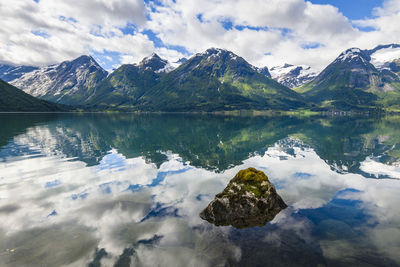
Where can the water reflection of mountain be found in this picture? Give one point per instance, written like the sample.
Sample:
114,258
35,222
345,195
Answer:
13,124
211,142
345,142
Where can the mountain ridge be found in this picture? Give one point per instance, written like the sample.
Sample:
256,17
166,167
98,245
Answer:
218,79
351,81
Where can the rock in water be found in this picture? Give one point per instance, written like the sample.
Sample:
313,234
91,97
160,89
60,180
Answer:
249,199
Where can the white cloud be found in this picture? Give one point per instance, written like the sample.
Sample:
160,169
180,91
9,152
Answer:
270,32
276,27
283,28
109,216
71,28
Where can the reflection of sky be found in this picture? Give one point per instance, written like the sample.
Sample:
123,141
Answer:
50,205
378,169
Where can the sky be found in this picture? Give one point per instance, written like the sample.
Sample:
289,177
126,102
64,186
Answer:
264,32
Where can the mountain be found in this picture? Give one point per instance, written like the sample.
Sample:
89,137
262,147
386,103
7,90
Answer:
125,85
386,58
214,80
293,76
9,73
13,99
264,71
154,63
217,80
352,82
71,82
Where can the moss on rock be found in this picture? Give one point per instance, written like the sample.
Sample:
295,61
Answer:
248,200
251,174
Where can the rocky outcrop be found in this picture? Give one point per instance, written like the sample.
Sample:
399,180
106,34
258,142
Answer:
249,199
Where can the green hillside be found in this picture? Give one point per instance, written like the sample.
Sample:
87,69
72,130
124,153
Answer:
217,80
15,100
351,82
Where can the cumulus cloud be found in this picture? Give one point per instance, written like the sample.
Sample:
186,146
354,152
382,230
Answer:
51,31
266,33
269,32
49,196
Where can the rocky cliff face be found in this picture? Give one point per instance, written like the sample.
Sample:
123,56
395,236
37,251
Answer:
249,199
70,82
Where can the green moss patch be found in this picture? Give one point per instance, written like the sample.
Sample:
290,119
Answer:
250,174
249,180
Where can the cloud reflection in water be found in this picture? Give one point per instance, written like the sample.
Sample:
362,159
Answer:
129,210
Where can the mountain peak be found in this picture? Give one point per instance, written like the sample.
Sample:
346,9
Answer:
219,60
214,54
83,60
213,51
85,57
352,54
154,63
153,56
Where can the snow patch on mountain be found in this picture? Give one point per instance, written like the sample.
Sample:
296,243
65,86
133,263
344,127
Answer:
293,75
167,68
385,55
67,79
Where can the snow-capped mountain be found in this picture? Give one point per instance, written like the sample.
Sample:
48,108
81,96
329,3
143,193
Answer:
9,73
350,69
356,79
293,75
217,79
70,82
352,55
156,64
130,81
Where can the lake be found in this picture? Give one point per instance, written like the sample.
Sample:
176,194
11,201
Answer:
127,190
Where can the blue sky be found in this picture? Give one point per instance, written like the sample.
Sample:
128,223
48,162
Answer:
266,33
352,9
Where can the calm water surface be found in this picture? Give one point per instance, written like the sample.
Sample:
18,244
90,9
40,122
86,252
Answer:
126,190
